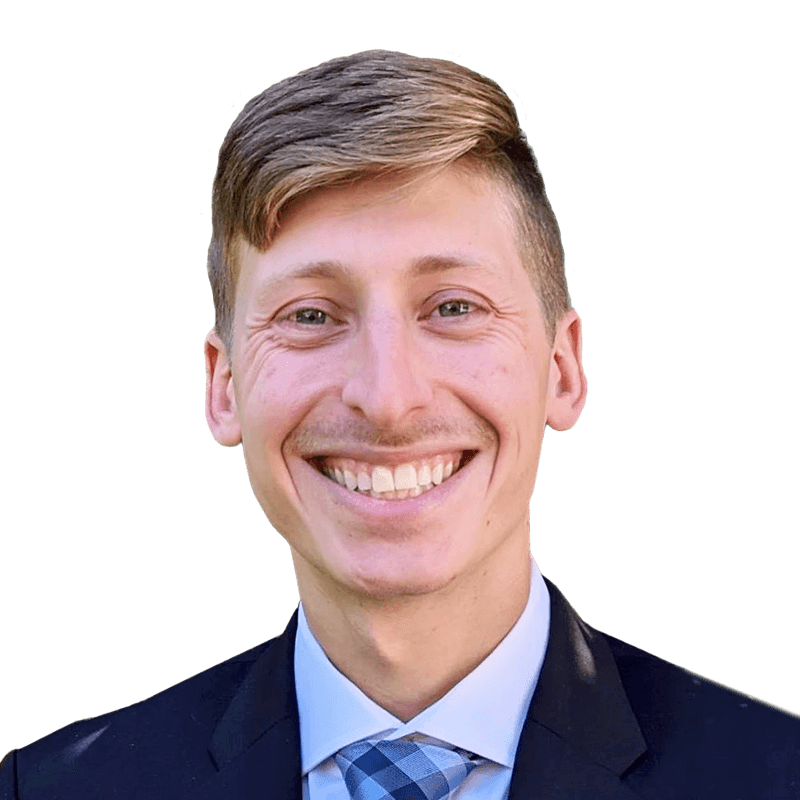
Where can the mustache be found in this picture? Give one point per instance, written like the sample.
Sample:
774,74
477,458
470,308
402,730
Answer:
325,435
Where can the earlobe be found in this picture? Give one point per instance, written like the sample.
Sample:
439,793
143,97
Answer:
221,411
567,383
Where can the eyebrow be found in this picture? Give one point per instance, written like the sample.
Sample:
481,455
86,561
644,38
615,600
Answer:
337,270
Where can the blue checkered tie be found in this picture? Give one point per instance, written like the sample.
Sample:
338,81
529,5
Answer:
376,769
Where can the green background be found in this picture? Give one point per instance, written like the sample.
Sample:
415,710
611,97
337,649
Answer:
133,552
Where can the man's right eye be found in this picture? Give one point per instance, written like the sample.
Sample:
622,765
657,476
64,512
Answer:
310,316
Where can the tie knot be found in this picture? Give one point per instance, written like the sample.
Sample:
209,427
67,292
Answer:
377,769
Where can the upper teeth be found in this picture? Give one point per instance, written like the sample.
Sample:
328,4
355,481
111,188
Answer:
404,480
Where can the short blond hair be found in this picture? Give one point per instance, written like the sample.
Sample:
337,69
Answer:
367,115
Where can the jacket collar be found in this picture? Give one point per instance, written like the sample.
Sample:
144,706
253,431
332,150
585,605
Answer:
581,735
579,739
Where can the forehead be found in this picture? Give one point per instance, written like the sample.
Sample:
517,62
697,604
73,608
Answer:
401,228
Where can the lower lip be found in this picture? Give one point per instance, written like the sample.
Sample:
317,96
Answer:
373,507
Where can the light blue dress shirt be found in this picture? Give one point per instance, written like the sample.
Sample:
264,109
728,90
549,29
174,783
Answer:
483,713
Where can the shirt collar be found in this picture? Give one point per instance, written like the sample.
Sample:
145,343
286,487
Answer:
483,713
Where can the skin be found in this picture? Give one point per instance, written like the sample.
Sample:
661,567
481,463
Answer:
385,323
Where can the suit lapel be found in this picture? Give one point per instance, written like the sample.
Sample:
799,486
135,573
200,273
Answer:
256,744
580,735
579,738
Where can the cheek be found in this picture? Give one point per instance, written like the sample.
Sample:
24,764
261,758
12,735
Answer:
501,386
278,395
510,393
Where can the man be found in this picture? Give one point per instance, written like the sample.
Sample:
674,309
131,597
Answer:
393,334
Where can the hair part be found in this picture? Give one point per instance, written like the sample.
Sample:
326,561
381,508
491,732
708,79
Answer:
373,114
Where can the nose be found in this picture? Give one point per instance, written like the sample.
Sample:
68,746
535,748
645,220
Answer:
386,377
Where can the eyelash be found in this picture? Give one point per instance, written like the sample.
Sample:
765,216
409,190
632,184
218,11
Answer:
292,315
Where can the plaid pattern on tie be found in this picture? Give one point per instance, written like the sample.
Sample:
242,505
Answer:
376,769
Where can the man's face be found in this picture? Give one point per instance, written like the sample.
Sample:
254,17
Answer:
390,380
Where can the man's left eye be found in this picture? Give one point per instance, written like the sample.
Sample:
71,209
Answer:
454,308
310,316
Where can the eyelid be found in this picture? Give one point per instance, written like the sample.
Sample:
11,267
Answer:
287,312
478,305
456,295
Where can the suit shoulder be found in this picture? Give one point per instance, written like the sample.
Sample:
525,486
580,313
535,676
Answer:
700,732
131,740
664,684
157,747
211,687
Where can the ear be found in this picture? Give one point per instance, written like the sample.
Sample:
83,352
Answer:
221,411
566,393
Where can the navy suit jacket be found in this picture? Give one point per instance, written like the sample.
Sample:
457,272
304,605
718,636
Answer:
607,722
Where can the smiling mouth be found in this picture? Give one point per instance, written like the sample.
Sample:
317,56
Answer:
397,482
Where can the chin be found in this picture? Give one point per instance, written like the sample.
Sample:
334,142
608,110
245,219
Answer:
382,575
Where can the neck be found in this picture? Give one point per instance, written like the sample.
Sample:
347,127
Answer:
405,653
